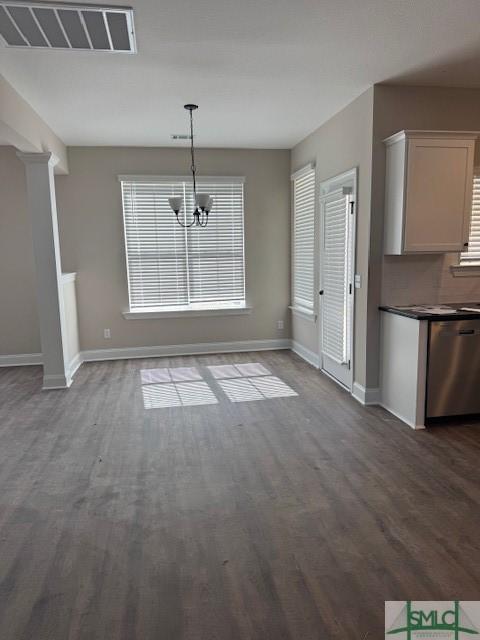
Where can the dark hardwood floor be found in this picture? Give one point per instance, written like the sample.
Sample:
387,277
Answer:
288,518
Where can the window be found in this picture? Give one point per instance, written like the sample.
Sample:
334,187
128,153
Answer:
175,269
303,239
472,256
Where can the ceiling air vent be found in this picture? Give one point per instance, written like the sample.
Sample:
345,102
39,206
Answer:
67,26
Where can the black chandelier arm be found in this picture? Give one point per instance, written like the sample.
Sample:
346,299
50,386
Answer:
185,226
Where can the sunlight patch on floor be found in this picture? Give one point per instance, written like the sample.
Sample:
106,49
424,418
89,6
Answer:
180,394
238,370
261,388
185,387
176,374
240,390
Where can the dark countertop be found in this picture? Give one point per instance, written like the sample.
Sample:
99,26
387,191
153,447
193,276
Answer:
425,315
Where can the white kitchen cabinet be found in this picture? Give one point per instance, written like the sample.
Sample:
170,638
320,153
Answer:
428,191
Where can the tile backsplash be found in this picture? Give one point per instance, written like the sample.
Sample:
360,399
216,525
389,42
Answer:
426,279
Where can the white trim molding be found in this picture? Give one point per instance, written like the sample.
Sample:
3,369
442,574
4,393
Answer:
187,313
465,270
306,354
303,171
20,359
366,396
38,158
402,418
56,382
183,349
74,364
68,277
126,353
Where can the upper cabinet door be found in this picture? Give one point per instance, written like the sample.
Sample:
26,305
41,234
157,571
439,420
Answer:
428,191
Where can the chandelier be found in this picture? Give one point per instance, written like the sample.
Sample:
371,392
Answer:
203,201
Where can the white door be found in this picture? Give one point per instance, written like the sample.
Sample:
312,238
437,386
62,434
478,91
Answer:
337,243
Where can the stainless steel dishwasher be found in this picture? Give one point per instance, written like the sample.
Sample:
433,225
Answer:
453,375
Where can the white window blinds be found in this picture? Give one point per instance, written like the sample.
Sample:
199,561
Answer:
303,238
472,256
170,267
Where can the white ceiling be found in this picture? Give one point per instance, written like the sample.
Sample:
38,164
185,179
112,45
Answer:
264,72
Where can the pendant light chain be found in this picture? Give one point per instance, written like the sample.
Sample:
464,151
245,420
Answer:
192,151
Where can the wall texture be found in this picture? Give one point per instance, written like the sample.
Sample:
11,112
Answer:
92,244
19,331
344,142
413,279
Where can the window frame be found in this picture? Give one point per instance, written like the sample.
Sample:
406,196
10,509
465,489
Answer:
225,308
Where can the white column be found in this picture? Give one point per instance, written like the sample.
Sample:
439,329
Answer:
46,248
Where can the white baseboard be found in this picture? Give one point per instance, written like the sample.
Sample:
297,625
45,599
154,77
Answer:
402,418
62,382
56,382
20,359
74,364
306,354
183,349
366,396
49,381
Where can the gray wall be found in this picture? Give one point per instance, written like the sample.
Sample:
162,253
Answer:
92,244
19,331
344,142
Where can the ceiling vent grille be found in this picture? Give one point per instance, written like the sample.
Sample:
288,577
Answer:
67,26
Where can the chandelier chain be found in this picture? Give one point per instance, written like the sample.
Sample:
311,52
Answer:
192,151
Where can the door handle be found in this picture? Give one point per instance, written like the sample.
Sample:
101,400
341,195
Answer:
320,293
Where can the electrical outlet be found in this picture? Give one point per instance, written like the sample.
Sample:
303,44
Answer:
106,334
358,281
280,325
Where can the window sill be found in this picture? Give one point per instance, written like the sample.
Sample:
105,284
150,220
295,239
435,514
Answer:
186,313
305,314
465,270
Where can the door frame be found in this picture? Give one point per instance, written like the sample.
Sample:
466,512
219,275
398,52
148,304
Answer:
347,179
